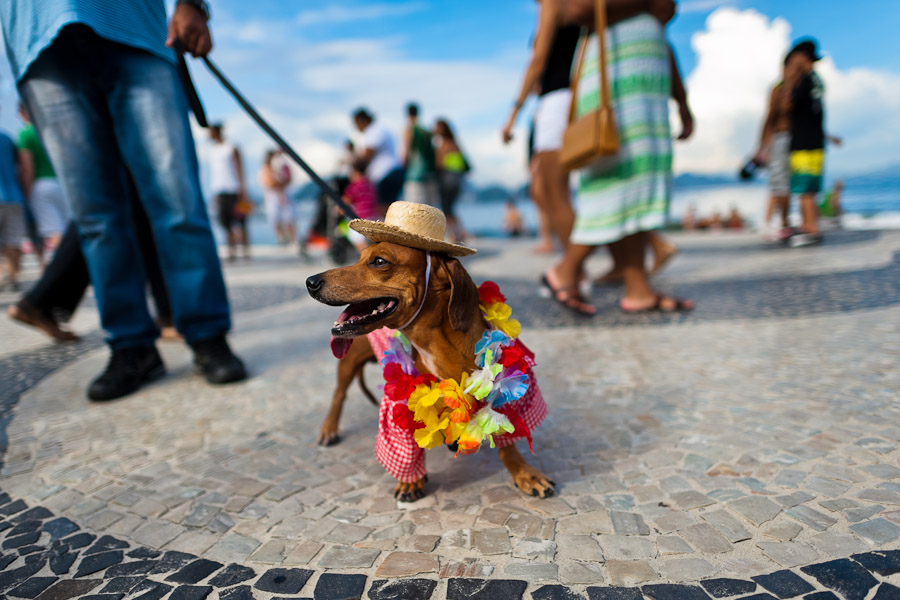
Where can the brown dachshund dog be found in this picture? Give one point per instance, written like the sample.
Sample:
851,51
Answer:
385,289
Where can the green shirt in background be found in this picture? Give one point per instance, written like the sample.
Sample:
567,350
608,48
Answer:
28,140
420,164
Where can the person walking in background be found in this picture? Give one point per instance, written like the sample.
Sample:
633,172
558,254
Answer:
807,159
379,154
275,177
419,158
226,181
548,75
42,190
102,89
545,245
623,197
452,168
12,212
774,152
513,222
61,288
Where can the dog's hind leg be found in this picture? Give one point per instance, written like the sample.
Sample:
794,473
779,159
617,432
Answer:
349,368
527,478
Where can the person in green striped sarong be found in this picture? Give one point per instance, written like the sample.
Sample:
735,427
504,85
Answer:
624,197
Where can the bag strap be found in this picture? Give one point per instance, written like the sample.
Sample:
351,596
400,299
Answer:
600,30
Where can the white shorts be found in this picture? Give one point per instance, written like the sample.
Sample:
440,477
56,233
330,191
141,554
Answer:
422,192
49,207
12,225
779,164
279,209
551,119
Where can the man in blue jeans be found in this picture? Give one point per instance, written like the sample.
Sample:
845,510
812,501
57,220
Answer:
99,81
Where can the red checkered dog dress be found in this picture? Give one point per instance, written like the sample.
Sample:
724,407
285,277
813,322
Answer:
396,448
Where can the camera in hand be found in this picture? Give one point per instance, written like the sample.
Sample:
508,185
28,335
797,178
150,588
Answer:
748,171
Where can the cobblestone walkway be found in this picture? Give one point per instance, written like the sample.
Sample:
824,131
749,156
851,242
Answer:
748,449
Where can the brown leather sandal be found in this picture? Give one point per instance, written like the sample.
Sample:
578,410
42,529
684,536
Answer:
680,305
570,298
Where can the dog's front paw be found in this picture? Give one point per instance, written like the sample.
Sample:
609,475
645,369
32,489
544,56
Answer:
531,481
527,478
410,492
328,435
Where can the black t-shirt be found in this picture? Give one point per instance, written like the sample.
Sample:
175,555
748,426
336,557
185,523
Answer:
559,63
807,114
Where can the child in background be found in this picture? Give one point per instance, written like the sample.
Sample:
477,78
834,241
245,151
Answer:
361,195
512,219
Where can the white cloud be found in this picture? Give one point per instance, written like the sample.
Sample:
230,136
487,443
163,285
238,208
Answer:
739,57
343,13
311,88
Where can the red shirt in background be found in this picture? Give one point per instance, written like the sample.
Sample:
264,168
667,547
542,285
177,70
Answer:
360,194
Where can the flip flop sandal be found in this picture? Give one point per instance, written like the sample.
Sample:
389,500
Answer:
569,298
680,306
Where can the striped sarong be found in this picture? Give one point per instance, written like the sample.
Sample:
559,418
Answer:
629,192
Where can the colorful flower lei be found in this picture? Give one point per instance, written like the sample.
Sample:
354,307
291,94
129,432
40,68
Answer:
471,410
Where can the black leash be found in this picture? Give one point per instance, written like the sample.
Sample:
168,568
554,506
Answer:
197,108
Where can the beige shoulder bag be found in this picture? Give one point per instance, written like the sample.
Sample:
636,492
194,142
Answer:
594,134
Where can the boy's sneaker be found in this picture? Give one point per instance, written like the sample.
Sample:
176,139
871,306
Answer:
214,358
805,239
128,369
786,233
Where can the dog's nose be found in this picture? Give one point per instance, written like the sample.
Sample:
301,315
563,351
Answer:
314,283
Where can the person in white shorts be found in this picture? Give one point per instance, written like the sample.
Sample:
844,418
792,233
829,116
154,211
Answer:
774,152
40,186
548,74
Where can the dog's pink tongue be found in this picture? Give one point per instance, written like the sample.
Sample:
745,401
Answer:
340,346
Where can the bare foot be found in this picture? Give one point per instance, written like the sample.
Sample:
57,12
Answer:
543,248
662,254
613,277
527,478
410,492
658,303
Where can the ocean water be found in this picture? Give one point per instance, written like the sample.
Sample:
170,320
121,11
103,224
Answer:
867,204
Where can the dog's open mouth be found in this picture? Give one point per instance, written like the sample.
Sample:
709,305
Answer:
358,315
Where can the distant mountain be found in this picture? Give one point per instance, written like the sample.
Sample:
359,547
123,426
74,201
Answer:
685,180
307,191
886,177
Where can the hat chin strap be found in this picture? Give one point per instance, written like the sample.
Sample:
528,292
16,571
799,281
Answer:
425,295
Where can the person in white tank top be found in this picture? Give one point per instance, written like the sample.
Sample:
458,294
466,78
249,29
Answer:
226,181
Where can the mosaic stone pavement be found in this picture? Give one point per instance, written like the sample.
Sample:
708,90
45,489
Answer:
748,449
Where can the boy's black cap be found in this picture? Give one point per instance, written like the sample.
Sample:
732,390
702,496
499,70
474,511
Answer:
808,47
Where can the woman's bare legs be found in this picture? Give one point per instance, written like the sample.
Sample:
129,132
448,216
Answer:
663,250
554,181
538,195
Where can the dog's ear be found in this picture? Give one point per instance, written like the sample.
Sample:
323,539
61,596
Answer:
463,294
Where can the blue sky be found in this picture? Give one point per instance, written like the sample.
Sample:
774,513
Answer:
306,64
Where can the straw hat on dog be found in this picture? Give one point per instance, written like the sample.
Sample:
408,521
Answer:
413,225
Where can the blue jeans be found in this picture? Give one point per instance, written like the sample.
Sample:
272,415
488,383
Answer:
106,112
